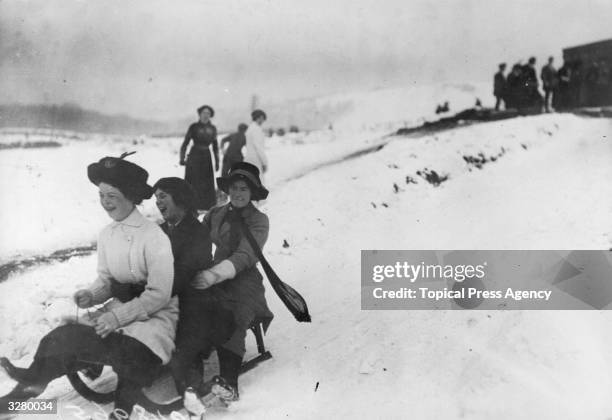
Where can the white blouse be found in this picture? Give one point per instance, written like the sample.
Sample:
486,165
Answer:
136,250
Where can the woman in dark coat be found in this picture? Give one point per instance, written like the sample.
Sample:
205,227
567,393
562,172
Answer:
190,240
198,166
234,280
202,322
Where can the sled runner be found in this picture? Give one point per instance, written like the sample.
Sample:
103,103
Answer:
161,396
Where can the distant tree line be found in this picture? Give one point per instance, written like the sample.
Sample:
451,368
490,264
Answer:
73,117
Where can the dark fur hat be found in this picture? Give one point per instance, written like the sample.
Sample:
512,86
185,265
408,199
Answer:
128,177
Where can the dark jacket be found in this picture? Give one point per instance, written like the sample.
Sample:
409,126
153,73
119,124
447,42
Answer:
499,84
549,77
192,250
203,135
245,293
529,76
234,149
199,314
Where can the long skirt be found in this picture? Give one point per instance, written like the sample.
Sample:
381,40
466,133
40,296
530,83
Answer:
244,296
199,173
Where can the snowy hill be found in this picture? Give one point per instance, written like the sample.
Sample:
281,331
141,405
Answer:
72,117
378,109
546,188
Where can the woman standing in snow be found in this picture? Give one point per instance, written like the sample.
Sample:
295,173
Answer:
234,280
134,331
255,151
198,166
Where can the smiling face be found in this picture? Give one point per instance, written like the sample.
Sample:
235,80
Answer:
170,211
240,193
114,202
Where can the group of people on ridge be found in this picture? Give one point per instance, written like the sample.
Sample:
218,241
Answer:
519,89
161,296
563,88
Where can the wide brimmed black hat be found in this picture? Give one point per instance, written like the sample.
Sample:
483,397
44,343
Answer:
210,108
246,172
128,177
181,191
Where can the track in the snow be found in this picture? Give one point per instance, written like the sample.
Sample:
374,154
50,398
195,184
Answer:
60,255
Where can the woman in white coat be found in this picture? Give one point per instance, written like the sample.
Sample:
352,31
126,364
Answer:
134,329
255,152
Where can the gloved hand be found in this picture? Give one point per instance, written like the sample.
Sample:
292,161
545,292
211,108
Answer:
204,279
83,298
106,324
220,272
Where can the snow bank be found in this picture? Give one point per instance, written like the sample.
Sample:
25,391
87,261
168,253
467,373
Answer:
547,190
428,365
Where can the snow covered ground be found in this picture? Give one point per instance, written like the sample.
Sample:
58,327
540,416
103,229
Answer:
58,206
430,365
548,188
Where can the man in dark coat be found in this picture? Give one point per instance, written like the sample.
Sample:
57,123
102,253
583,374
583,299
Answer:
514,87
499,86
529,73
531,96
233,153
549,82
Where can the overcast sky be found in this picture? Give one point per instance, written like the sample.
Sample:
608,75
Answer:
162,59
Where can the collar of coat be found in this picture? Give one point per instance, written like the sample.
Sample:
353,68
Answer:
174,226
135,219
246,211
218,216
185,225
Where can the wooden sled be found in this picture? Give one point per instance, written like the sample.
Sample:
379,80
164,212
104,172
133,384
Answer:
161,397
